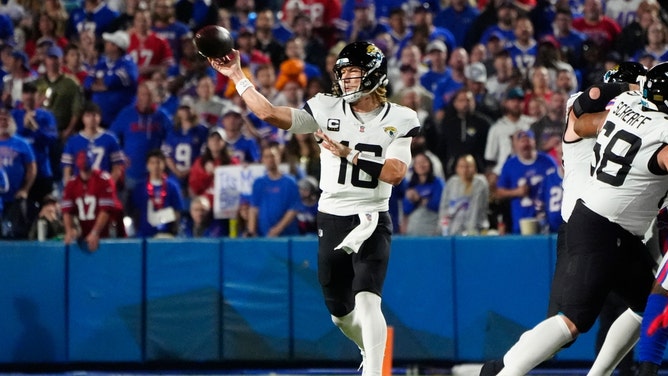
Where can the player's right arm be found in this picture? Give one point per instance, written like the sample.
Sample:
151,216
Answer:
230,66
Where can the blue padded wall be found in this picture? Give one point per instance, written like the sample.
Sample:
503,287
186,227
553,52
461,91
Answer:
256,292
32,294
105,301
183,300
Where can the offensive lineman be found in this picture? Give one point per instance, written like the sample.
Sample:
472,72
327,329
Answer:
548,337
365,149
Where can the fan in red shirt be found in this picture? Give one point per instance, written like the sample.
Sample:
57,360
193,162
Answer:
148,50
90,197
599,28
216,153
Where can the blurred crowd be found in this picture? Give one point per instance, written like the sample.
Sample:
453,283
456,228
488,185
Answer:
113,125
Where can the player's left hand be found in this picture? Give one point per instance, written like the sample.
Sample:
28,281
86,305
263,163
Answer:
335,147
92,241
659,322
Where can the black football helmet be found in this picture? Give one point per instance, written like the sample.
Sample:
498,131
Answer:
628,71
370,59
655,88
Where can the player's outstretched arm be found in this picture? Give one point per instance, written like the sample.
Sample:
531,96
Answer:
230,66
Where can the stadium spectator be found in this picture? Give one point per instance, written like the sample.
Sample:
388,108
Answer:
313,44
126,17
458,17
45,31
422,198
264,79
599,28
503,24
283,30
57,13
465,200
102,145
463,130
208,106
521,178
656,44
62,95
409,80
265,40
504,76
364,25
399,26
549,128
647,13
140,128
200,223
184,144
309,193
540,87
408,56
499,145
93,15
302,153
156,200
150,52
476,79
446,88
274,200
168,28
18,72
90,205
436,59
244,149
523,48
410,97
216,153
20,170
37,126
113,81
569,39
50,212
196,13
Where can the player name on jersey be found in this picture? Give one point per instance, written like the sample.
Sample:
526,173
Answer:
629,116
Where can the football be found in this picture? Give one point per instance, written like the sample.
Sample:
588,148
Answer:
213,41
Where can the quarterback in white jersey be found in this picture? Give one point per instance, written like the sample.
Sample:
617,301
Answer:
365,149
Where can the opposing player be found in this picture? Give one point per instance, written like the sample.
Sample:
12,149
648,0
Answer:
577,153
365,149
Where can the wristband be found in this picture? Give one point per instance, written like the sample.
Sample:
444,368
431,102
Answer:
243,85
351,156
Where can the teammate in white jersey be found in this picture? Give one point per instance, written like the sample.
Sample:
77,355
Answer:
365,149
577,154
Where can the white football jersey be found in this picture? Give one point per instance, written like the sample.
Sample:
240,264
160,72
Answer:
627,187
576,158
346,189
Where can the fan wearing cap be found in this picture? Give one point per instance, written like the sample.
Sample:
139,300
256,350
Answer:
18,72
365,150
38,127
148,50
113,81
437,56
522,176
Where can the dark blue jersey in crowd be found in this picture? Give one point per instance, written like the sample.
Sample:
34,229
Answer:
274,198
185,147
523,57
41,139
432,191
97,21
15,154
160,200
516,173
104,146
457,22
245,149
139,133
173,34
430,79
551,193
120,77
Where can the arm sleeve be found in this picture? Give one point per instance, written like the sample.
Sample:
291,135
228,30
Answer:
400,149
303,122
